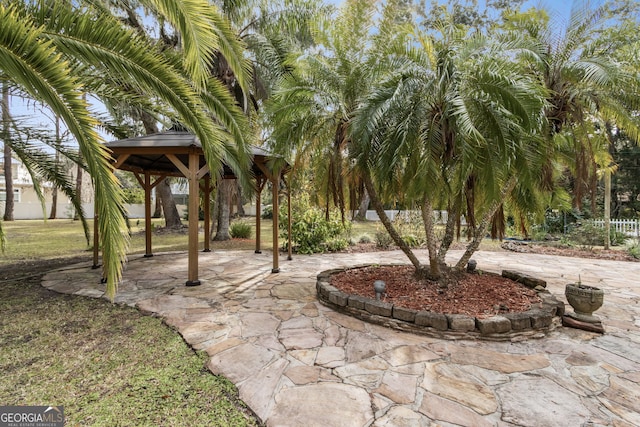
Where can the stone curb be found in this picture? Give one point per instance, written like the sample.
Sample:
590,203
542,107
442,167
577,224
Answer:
533,323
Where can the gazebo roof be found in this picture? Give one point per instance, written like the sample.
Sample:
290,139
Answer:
148,153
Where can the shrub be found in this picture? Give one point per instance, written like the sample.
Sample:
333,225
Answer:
310,230
383,240
586,233
412,241
337,244
365,238
634,250
240,230
410,224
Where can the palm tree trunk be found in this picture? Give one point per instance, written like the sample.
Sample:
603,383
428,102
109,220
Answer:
364,205
240,200
427,219
8,171
157,211
224,204
389,226
171,214
483,226
449,231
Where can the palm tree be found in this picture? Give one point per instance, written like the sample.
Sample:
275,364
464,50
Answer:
454,126
587,84
54,51
311,112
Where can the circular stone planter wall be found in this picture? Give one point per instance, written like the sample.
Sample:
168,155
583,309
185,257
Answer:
533,323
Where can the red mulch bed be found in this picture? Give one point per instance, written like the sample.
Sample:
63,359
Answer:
478,295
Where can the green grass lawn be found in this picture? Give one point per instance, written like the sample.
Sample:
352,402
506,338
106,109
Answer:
64,238
107,364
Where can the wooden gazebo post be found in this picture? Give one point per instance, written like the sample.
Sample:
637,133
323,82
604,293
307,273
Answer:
276,187
259,187
147,186
289,249
207,212
192,173
194,200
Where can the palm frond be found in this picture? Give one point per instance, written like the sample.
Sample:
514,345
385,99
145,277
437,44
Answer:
34,64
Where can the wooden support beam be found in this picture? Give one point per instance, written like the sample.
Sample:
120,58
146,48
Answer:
148,251
207,213
192,176
203,171
259,186
181,167
276,192
120,160
289,249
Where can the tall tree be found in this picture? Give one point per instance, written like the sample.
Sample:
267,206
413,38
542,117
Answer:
55,51
586,85
312,110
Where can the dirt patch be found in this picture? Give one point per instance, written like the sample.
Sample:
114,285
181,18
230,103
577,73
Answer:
556,249
479,295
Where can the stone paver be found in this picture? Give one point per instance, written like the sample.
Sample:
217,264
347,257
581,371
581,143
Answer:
298,363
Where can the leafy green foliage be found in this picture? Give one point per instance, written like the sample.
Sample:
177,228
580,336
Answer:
133,195
240,230
267,212
634,250
383,239
588,234
310,230
337,244
365,238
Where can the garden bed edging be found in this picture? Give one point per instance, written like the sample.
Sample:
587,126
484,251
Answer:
534,323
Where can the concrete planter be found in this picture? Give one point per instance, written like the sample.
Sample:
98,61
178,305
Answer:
584,300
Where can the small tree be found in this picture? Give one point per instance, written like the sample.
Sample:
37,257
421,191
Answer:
452,127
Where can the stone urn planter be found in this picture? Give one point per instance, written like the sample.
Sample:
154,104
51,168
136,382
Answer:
584,300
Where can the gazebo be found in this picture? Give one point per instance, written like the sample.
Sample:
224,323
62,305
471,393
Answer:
178,153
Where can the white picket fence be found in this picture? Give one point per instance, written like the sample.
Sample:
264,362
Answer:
630,227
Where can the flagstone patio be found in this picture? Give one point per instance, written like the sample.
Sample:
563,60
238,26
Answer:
298,363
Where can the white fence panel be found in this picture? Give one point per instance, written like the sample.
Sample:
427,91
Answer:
630,227
440,217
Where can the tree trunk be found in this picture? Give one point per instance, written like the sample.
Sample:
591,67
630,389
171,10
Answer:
240,199
389,226
452,218
364,205
171,214
483,226
54,192
157,212
427,219
225,189
214,213
8,171
79,171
